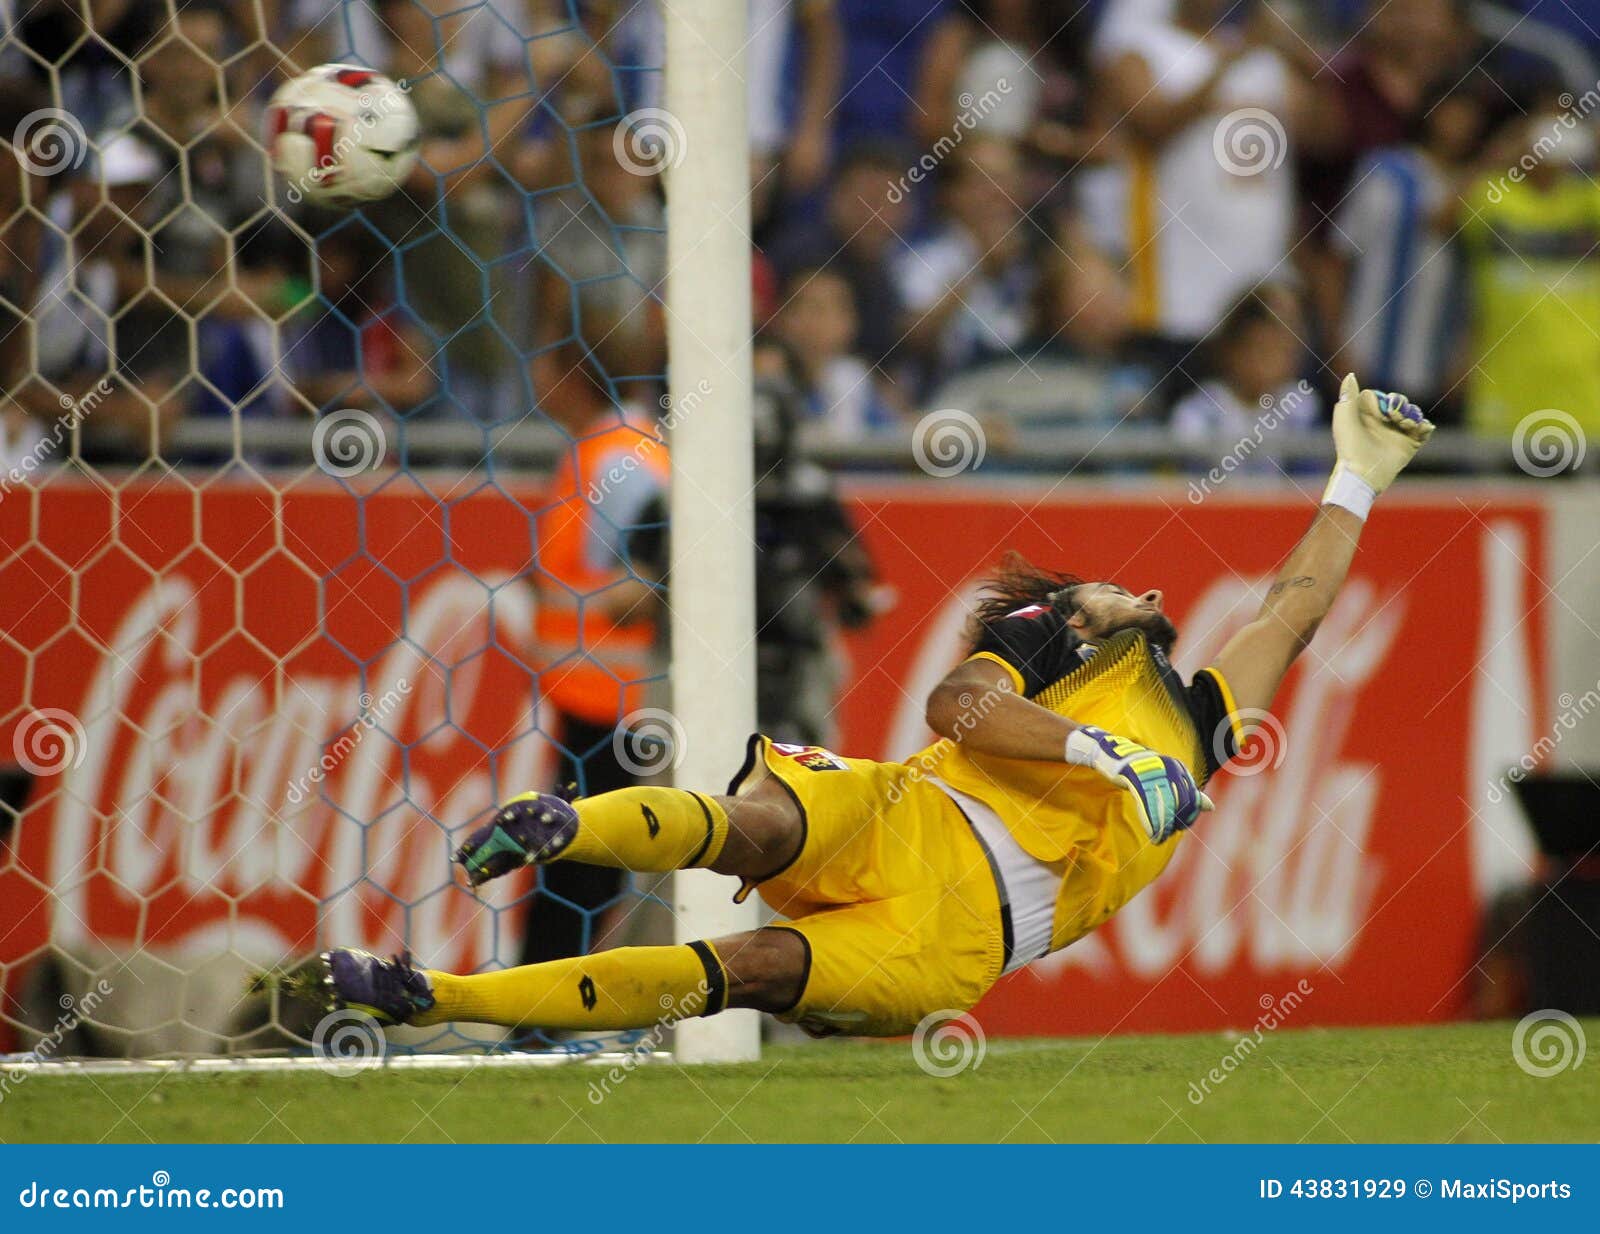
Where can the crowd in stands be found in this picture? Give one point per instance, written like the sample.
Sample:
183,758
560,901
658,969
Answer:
1048,213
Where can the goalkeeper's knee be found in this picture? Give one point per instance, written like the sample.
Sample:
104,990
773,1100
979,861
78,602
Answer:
765,969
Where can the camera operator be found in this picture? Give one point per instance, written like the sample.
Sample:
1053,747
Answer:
813,575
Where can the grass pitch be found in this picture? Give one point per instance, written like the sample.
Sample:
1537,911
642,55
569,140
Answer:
1455,1083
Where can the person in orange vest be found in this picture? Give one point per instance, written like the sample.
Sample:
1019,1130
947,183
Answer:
595,627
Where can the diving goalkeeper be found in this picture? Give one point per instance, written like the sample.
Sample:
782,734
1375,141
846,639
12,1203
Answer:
1071,758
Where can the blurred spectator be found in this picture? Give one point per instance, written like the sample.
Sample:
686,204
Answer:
1077,367
860,232
997,88
93,322
1121,20
1209,199
901,59
602,258
1253,361
208,237
355,347
20,435
20,432
89,50
14,64
464,68
1374,92
1398,283
840,393
21,232
477,45
793,59
968,287
1531,231
1577,20
1040,49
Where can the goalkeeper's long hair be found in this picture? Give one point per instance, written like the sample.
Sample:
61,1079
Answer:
1017,583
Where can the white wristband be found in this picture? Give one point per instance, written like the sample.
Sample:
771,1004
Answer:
1081,750
1349,492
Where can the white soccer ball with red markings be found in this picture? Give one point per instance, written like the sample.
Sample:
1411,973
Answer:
341,134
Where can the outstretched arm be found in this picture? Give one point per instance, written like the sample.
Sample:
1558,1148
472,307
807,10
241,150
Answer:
1377,434
1256,658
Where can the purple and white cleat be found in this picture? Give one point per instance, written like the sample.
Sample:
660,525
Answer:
391,991
528,830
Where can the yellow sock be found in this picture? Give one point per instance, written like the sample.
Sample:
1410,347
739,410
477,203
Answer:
648,829
627,987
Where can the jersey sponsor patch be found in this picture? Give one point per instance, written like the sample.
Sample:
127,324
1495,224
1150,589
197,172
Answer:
812,758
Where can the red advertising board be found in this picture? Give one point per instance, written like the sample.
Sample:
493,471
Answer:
280,709
289,702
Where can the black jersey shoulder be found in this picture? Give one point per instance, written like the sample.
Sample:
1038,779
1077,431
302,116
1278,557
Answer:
1035,641
1206,700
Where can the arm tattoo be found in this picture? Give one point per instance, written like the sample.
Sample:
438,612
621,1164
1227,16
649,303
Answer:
1299,580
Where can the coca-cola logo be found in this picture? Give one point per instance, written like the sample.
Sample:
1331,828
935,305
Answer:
256,811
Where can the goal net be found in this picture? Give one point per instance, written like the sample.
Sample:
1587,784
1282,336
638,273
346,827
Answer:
278,620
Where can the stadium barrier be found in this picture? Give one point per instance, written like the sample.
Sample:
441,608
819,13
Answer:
533,442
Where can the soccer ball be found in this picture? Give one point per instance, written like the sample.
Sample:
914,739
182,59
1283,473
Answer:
341,134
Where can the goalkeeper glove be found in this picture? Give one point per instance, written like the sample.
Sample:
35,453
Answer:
1376,434
1165,792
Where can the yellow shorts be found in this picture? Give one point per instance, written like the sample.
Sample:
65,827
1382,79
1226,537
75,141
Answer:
891,892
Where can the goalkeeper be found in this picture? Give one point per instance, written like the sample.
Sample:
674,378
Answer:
1070,762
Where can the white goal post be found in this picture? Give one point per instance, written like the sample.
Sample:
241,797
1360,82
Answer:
712,518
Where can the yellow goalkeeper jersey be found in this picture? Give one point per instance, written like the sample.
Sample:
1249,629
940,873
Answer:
1072,815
